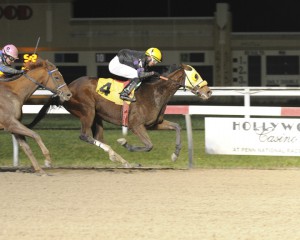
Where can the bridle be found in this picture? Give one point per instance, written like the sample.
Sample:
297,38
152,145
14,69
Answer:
193,87
56,91
183,82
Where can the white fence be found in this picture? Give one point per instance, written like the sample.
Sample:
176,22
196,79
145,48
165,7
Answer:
246,110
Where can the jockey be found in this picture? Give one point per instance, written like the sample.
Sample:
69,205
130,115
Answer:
8,55
134,65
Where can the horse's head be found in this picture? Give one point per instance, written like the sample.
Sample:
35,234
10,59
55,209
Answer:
50,79
194,82
187,77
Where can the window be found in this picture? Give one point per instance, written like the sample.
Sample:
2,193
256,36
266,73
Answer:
104,57
70,73
192,57
282,65
66,57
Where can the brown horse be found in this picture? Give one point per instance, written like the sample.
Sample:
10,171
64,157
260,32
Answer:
13,95
146,113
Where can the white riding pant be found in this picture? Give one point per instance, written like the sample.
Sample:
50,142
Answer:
122,70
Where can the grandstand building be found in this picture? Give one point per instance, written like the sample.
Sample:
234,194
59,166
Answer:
85,46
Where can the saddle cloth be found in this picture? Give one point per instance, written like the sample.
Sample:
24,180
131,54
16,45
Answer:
110,89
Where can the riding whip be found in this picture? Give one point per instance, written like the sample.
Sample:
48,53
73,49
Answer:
163,78
36,46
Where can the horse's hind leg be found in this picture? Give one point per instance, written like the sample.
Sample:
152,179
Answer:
27,150
113,156
97,132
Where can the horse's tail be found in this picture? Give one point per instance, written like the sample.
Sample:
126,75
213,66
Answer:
43,112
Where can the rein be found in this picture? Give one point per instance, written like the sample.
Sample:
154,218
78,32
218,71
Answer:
182,84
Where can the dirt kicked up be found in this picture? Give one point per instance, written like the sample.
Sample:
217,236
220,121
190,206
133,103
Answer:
157,204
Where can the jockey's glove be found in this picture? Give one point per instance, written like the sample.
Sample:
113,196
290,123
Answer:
156,74
145,74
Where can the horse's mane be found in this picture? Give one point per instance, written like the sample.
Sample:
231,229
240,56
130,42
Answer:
33,65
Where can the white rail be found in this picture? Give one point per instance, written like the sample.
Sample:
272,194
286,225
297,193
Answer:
247,110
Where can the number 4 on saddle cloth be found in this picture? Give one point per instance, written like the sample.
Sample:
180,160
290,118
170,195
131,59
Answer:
110,89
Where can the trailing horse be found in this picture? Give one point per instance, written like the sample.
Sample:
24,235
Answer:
96,100
15,92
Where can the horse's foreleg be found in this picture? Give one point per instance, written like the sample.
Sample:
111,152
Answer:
44,149
167,125
113,156
98,130
141,133
27,150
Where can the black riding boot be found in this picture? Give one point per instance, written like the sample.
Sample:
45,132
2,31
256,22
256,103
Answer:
124,95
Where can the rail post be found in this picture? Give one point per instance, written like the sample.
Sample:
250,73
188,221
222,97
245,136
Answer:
189,131
15,151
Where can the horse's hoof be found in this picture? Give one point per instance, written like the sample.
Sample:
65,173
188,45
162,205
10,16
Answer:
127,165
174,157
48,164
122,141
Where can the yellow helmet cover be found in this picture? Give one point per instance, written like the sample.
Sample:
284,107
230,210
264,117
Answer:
154,53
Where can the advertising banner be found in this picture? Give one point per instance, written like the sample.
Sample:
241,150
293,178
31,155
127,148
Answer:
252,136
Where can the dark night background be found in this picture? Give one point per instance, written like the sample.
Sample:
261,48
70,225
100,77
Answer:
247,16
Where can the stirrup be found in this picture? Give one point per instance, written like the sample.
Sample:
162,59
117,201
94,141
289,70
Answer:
127,98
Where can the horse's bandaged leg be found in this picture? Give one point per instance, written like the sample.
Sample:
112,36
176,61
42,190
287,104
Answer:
124,130
113,156
101,145
125,112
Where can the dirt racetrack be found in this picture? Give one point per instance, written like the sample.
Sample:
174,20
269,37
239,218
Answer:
156,205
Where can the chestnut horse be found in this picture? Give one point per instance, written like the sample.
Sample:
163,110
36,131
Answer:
13,95
147,112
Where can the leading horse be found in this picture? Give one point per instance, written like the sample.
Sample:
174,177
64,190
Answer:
15,92
146,113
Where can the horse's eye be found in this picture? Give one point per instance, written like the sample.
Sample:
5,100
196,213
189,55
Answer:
196,76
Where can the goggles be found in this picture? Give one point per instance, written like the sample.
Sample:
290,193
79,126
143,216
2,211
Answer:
10,58
154,61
